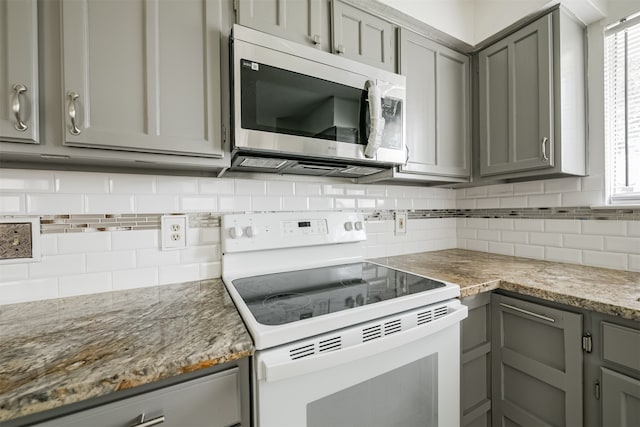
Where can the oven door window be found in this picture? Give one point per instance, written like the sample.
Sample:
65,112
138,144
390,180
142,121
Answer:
406,396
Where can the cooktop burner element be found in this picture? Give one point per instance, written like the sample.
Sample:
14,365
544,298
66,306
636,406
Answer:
279,298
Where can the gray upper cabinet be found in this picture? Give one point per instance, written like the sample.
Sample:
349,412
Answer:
142,75
536,364
516,104
438,134
302,21
363,37
532,101
19,71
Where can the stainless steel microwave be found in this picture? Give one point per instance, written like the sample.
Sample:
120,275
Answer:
296,109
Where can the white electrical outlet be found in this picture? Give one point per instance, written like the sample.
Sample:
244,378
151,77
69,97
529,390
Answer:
401,223
174,232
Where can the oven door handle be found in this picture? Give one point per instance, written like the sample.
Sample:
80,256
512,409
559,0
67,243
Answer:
275,369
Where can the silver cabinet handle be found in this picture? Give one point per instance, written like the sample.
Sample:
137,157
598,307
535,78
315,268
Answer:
316,40
73,96
544,149
18,89
340,49
152,422
529,313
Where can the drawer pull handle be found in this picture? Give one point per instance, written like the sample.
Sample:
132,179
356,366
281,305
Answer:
18,89
73,97
527,312
152,422
544,149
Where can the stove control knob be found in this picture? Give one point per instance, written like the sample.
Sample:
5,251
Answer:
359,300
358,225
350,302
348,226
250,231
235,232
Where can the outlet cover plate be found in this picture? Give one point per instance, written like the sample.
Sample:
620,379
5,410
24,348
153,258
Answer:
19,240
173,232
401,223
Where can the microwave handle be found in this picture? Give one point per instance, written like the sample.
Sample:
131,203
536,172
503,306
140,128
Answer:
377,121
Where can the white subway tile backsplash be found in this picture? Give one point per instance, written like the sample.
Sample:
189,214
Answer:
176,185
156,203
527,188
501,223
439,203
199,254
375,251
48,244
629,245
332,190
592,183
59,203
135,278
501,248
544,201
132,184
500,190
466,233
101,203
12,272
376,190
198,204
134,239
513,202
28,290
320,203
12,204
395,191
563,255
474,192
408,204
79,243
31,181
528,224
266,203
604,227
528,251
57,265
466,204
355,190
216,186
155,257
562,226
582,198
343,203
514,236
490,203
422,204
386,203
605,259
250,187
579,241
490,235
477,222
633,228
81,182
110,261
477,245
366,203
545,239
634,262
307,189
386,226
83,284
295,203
234,203
178,273
562,185
210,270
280,188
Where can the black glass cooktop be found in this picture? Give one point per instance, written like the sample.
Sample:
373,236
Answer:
276,299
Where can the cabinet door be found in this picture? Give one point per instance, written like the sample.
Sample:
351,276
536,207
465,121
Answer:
516,101
620,399
438,128
297,20
536,364
142,75
363,37
211,401
19,71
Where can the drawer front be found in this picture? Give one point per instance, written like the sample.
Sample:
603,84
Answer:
621,345
211,401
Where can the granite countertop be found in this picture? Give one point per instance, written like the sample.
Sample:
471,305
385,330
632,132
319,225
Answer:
62,351
607,291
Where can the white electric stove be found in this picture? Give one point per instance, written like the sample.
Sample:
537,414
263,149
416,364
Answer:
332,328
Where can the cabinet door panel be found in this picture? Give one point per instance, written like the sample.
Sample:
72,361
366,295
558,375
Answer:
363,37
19,66
438,132
536,364
516,101
153,85
620,399
296,20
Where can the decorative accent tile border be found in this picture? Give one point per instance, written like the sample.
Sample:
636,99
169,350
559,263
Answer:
51,224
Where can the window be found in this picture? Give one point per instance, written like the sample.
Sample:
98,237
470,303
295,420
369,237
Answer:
622,110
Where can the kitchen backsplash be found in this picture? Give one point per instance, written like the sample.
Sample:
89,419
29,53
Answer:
100,231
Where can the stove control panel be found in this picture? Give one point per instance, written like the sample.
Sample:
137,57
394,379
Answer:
250,232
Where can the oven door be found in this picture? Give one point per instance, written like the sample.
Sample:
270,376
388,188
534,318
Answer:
291,105
397,371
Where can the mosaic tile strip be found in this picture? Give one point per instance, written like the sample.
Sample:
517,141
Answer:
549,213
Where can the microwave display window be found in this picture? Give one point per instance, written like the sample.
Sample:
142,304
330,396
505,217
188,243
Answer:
282,101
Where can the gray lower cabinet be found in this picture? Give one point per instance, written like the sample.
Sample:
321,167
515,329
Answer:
19,118
620,399
142,75
475,361
302,21
211,401
532,101
363,37
438,132
536,364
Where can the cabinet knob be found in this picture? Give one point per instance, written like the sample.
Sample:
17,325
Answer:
340,49
18,89
544,149
152,422
73,96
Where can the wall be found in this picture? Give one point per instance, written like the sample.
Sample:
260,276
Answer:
101,231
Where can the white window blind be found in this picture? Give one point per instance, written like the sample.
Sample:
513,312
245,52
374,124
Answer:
622,110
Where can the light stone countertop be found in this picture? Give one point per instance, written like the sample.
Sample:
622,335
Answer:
613,292
62,351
